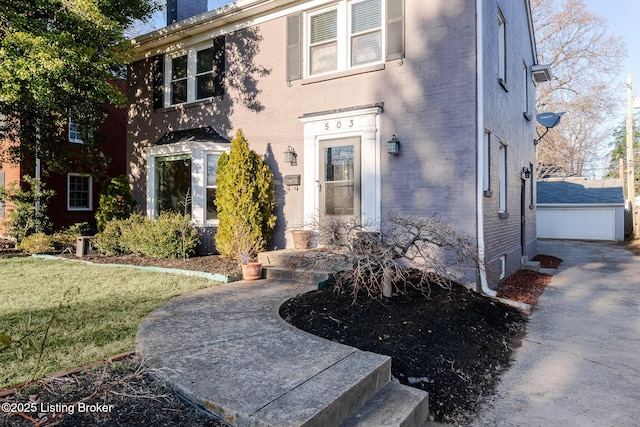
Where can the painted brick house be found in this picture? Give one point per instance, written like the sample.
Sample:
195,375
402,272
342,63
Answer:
334,81
77,189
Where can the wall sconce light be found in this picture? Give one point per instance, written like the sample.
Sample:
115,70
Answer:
290,156
393,146
526,173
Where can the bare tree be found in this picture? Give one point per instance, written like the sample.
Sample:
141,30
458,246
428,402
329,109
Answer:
406,251
585,60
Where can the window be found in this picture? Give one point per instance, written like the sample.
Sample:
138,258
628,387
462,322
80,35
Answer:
486,167
78,133
173,184
531,186
346,35
362,21
182,177
194,74
502,49
212,187
79,192
525,86
502,166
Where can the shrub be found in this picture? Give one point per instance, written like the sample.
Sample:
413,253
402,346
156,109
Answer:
109,240
170,236
116,201
245,196
66,239
36,243
24,218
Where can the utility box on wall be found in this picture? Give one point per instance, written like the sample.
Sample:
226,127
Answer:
290,180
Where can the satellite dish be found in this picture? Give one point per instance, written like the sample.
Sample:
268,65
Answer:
549,120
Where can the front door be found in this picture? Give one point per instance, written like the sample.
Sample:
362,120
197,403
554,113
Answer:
339,183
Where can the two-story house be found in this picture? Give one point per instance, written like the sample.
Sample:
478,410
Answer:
78,186
361,107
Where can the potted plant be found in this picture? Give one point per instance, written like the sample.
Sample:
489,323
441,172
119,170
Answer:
302,238
250,270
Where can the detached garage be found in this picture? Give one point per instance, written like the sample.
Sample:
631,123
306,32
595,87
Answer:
580,209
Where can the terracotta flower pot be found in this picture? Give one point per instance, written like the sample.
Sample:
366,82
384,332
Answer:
302,238
252,271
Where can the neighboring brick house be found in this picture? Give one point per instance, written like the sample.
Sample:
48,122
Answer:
334,81
77,190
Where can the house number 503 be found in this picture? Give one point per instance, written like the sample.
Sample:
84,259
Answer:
338,124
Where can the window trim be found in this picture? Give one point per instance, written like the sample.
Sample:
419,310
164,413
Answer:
198,151
191,52
502,185
486,173
344,38
89,191
502,50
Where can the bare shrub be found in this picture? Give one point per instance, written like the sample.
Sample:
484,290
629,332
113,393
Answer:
380,259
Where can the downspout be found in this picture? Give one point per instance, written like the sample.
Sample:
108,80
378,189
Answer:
480,150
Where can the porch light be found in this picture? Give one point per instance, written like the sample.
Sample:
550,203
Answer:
526,173
290,156
393,146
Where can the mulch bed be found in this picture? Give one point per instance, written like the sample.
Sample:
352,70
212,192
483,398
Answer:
452,343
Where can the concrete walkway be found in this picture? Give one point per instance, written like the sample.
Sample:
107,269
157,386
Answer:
579,364
226,349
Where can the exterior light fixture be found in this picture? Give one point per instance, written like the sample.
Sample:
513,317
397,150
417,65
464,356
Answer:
290,156
393,146
526,173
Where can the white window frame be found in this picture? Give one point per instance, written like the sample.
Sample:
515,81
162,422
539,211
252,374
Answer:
344,37
90,192
75,131
192,55
502,48
502,167
198,151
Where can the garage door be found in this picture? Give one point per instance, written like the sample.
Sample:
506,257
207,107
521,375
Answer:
581,223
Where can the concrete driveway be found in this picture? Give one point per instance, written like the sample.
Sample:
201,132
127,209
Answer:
579,364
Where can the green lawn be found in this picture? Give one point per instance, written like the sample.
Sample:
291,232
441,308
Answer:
96,311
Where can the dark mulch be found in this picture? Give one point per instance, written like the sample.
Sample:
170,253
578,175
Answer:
111,394
452,343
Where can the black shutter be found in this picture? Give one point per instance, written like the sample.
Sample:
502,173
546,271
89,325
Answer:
294,47
157,67
219,64
395,29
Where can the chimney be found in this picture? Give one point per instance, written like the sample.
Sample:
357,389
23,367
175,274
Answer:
177,10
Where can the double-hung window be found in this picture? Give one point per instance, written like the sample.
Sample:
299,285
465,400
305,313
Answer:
78,132
194,74
502,49
79,192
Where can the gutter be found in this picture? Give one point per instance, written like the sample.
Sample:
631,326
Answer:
480,150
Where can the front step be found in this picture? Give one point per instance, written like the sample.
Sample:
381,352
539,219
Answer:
525,264
396,405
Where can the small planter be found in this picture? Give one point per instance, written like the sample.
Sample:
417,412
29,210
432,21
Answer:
302,238
252,271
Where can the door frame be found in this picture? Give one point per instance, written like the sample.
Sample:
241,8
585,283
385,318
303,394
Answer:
361,122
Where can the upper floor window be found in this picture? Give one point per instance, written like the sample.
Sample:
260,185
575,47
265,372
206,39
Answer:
195,74
78,132
345,35
502,49
340,38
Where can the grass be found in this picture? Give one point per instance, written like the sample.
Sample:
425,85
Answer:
86,313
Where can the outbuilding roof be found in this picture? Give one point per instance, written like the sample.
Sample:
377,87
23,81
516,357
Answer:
582,191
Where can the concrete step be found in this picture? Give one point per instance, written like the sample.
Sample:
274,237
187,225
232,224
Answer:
314,278
395,405
525,264
329,398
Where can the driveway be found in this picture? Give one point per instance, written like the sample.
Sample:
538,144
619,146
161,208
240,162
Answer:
579,364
